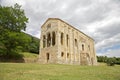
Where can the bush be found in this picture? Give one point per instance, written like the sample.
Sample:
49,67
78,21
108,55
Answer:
111,61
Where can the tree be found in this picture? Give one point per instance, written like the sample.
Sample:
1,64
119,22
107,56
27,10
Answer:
13,18
111,61
12,21
117,61
101,58
34,46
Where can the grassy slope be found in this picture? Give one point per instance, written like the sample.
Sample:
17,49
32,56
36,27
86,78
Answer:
25,71
29,55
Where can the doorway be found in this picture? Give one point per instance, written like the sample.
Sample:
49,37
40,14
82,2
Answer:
48,57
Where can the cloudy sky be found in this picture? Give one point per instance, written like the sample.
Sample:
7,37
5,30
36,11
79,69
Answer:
99,19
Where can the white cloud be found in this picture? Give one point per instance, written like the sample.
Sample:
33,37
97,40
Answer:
107,43
111,53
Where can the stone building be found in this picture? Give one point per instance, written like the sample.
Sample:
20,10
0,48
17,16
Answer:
64,44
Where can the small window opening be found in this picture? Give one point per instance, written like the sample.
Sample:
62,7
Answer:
67,39
48,40
67,55
82,47
62,54
53,38
76,42
62,38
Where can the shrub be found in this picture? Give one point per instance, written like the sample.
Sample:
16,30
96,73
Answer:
110,61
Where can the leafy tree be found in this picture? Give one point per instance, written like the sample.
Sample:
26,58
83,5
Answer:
13,18
34,45
111,61
12,21
102,58
117,61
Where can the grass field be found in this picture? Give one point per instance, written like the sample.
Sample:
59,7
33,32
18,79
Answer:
35,71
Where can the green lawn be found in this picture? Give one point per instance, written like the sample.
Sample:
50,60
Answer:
35,71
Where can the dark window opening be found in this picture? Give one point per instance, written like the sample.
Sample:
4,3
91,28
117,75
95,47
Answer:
48,56
53,38
76,42
67,39
82,47
48,40
67,55
62,54
62,38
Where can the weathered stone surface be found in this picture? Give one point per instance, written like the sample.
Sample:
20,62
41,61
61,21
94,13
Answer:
62,43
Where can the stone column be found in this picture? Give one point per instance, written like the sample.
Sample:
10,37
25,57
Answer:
65,47
41,42
58,46
94,53
70,45
41,45
45,41
73,46
78,50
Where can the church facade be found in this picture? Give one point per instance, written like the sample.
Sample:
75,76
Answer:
62,43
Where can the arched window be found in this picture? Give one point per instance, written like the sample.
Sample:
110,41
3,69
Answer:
62,38
76,42
67,39
68,55
48,40
53,38
83,47
62,54
44,41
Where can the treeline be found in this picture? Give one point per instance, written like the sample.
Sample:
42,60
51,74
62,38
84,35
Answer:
109,60
12,39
